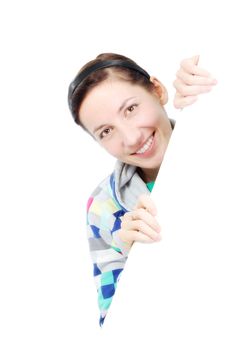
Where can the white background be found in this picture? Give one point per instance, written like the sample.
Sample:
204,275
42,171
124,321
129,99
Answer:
177,294
49,166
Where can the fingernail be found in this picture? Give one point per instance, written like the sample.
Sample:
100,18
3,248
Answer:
212,80
196,59
158,238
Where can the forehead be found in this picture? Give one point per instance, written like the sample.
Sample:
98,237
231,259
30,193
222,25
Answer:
106,98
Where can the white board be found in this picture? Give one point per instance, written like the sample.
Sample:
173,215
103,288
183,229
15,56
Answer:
177,294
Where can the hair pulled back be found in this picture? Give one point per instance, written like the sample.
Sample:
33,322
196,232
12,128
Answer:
98,76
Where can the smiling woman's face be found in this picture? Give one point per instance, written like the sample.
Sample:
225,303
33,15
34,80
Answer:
128,121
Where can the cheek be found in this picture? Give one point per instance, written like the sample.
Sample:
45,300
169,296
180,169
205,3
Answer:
113,148
165,131
162,120
153,116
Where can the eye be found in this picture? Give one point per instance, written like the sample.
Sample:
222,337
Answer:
104,133
131,108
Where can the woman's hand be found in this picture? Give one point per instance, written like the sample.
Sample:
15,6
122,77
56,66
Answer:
190,82
140,225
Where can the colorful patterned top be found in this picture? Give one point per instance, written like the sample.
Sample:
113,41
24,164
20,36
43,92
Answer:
150,185
105,208
115,195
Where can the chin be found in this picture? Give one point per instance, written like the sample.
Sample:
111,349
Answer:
153,163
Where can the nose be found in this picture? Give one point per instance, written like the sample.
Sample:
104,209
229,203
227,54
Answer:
131,138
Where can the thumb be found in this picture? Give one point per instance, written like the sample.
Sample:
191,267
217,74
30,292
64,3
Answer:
195,59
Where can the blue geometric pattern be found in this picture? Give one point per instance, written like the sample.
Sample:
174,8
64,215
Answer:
95,231
117,223
116,274
107,290
96,270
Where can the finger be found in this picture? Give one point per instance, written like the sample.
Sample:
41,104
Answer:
191,79
181,101
186,90
138,236
143,227
127,216
140,222
191,67
145,216
141,238
147,203
195,59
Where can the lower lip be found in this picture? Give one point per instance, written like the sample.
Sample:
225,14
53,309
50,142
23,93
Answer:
150,150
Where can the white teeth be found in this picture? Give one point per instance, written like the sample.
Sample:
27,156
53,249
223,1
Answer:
146,146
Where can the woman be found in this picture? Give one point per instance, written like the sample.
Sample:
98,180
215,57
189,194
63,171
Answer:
122,107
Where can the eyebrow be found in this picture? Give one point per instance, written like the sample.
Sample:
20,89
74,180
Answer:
124,103
119,110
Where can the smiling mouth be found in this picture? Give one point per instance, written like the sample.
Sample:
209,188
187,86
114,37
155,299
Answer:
146,146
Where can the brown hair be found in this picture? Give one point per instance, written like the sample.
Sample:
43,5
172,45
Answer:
98,76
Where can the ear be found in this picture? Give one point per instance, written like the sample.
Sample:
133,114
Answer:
160,90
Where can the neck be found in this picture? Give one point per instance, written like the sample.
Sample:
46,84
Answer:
148,175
